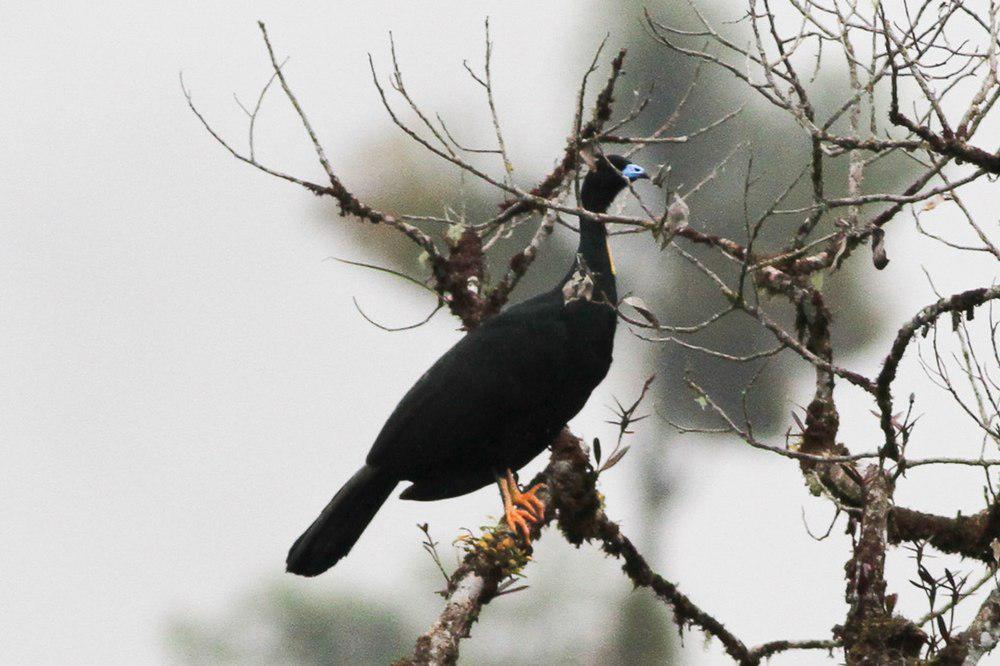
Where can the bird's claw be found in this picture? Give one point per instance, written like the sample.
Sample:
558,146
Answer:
521,509
518,521
529,500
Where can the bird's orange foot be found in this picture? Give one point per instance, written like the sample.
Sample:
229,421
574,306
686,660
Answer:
521,509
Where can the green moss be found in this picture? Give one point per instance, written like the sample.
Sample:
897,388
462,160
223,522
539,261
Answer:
499,548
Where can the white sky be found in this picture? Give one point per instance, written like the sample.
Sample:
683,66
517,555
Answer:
185,382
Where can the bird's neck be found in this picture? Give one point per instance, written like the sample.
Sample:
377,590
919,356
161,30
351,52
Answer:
596,254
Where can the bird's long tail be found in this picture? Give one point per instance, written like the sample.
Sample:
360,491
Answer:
341,523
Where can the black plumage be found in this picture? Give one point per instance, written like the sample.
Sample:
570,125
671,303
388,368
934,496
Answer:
496,399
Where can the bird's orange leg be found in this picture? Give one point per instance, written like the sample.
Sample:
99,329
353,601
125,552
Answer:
527,499
521,508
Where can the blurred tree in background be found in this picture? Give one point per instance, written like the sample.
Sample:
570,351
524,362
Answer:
281,626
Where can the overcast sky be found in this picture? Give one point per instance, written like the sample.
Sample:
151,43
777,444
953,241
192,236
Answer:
184,380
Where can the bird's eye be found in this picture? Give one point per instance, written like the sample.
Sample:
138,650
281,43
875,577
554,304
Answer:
634,172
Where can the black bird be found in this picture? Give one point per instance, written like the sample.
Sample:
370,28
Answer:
495,400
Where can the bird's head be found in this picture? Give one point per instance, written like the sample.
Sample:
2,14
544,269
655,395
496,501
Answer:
608,175
631,172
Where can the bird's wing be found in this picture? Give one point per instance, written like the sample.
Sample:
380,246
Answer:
492,379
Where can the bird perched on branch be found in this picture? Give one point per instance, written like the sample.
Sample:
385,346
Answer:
495,400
